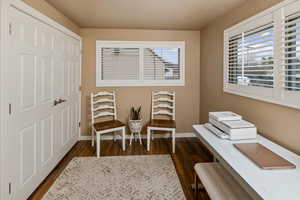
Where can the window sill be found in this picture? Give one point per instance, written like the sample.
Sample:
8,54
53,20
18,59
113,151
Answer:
265,99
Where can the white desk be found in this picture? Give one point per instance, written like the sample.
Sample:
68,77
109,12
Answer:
261,184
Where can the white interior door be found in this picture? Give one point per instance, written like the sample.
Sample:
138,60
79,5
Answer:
44,65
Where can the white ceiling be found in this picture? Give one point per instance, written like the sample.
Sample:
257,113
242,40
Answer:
144,14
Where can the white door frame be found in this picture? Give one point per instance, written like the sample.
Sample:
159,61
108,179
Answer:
4,30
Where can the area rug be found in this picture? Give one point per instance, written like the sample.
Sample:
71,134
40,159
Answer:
118,178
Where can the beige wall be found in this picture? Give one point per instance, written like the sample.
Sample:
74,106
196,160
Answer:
48,10
279,123
187,97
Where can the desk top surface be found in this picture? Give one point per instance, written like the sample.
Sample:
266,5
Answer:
268,184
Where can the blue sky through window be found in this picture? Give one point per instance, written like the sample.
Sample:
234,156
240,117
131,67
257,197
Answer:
168,54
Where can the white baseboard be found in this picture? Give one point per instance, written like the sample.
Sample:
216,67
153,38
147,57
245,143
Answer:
110,137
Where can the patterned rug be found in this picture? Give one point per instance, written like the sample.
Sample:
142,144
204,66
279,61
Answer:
118,178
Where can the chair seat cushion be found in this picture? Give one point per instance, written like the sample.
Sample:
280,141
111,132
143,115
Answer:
161,123
101,126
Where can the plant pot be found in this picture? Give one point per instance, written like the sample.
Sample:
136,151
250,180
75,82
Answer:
135,126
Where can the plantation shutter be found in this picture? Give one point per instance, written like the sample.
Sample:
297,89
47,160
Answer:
235,59
161,63
291,64
251,57
119,63
259,56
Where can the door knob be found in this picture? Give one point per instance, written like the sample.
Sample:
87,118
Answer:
56,102
62,100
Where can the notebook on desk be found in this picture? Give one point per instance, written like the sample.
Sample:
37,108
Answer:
263,157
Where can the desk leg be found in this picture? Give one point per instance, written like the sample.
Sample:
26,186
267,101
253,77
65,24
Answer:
196,186
200,186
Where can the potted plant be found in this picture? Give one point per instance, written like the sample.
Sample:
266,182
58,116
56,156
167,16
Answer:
135,120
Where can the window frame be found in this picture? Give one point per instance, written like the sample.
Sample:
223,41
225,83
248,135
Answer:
277,94
141,45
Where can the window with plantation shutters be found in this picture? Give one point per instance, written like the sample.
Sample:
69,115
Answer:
135,63
262,56
291,65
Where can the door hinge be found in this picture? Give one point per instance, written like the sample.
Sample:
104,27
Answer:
79,124
79,88
10,28
9,188
9,108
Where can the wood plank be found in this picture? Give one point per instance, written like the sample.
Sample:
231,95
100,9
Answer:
263,157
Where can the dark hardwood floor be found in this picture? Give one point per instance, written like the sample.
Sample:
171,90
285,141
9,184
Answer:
188,152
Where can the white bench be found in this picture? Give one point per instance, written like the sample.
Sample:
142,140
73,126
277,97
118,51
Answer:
218,183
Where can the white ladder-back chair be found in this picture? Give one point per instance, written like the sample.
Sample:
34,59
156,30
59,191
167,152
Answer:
103,105
163,104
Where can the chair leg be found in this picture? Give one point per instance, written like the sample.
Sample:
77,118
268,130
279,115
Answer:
173,140
93,137
131,137
123,138
115,137
140,137
98,144
148,138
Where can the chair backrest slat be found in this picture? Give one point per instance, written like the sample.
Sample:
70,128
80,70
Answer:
163,93
103,114
163,103
164,100
163,112
104,101
163,106
103,107
103,104
103,94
